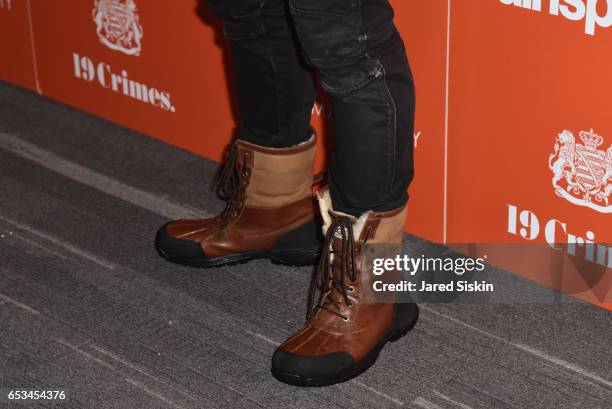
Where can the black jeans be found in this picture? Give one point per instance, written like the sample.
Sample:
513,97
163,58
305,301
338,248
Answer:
360,59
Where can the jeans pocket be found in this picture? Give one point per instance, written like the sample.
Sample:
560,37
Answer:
330,32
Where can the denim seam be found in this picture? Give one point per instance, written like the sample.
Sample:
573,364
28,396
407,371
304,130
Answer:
392,112
276,82
297,10
362,44
393,127
251,35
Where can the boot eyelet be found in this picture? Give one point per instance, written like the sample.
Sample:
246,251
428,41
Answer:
346,319
350,304
351,289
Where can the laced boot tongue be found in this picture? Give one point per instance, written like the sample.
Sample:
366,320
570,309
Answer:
337,269
230,182
341,249
227,180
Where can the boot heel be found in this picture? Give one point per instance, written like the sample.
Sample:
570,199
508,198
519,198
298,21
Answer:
405,317
297,258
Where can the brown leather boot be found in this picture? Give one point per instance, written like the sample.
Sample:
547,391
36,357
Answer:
269,214
344,335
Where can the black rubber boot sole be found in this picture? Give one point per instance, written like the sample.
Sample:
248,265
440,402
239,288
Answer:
296,258
356,369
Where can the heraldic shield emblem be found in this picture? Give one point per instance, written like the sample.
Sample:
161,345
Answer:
118,25
582,173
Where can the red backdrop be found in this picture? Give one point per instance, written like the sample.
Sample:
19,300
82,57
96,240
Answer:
498,81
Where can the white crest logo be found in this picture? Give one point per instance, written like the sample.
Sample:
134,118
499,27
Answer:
582,174
118,25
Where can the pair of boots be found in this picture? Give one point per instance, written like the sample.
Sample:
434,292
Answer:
270,214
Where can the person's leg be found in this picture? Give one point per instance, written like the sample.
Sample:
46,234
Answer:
362,64
275,90
267,176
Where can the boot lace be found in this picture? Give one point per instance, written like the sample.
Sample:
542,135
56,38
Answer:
230,182
325,278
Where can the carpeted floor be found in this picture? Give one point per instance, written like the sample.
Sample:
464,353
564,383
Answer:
86,304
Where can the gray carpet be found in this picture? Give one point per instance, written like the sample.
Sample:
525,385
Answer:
86,304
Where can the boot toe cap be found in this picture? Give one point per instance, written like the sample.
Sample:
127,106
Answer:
173,247
293,368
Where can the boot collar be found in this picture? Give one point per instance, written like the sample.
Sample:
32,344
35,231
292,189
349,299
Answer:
329,214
